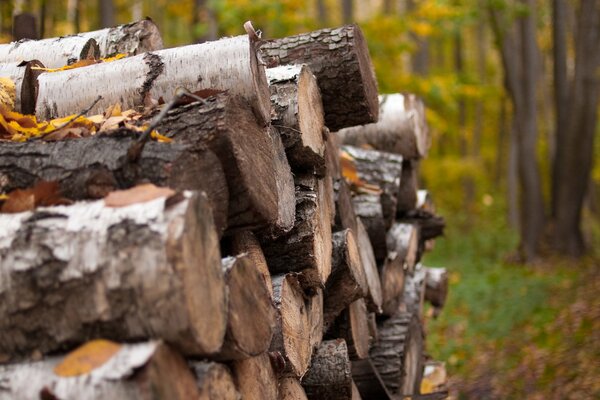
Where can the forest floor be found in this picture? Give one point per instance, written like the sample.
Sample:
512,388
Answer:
511,331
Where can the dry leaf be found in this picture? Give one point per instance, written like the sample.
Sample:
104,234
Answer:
350,172
8,93
138,194
87,358
43,193
19,200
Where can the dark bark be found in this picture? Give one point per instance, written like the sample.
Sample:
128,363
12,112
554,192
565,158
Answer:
322,13
352,325
329,376
407,195
25,27
392,283
368,381
368,208
347,11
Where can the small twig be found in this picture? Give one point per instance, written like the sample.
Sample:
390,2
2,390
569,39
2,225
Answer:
81,114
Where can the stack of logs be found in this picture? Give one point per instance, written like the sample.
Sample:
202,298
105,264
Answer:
282,264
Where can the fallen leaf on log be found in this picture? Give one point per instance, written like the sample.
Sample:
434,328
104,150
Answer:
350,172
43,193
137,194
8,93
81,63
87,358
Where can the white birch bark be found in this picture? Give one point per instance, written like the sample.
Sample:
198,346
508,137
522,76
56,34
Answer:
131,39
25,79
53,53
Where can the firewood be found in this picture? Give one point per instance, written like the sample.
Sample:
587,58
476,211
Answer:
307,247
214,381
332,156
425,201
291,389
133,80
355,393
255,378
436,287
89,168
368,381
24,74
392,283
298,116
403,239
414,292
352,325
345,217
244,242
129,374
329,376
407,196
131,39
340,60
145,270
292,333
398,355
367,206
380,169
316,317
374,296
430,225
347,281
251,316
401,128
52,53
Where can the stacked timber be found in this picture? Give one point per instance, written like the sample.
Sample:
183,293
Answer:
223,244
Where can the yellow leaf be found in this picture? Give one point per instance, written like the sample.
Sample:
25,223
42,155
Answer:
114,58
78,64
3,196
350,172
160,138
8,93
87,358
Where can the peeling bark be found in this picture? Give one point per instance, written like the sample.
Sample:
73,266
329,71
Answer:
131,39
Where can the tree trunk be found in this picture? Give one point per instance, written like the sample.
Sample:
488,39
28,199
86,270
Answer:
392,283
131,39
292,333
106,13
159,74
244,242
407,196
322,14
96,165
398,355
347,11
329,376
436,287
24,75
315,309
347,282
368,381
53,53
367,206
155,272
251,316
353,326
307,247
374,297
24,27
129,374
380,169
214,381
403,239
340,60
401,128
291,389
255,378
298,111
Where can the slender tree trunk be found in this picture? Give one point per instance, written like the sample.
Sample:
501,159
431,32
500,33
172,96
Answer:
347,11
322,13
106,13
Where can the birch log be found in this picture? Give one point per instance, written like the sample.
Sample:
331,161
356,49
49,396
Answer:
407,196
227,64
347,281
403,239
353,326
71,273
131,39
24,75
214,381
307,247
291,389
133,371
392,283
53,53
401,128
251,316
436,286
298,116
89,168
330,374
374,296
368,207
414,292
340,60
244,242
255,378
292,334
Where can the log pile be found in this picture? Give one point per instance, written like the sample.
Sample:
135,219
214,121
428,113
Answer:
250,254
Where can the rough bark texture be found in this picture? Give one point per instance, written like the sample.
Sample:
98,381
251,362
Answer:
429,225
403,239
255,378
401,128
329,376
226,125
145,270
392,283
407,196
374,297
158,74
367,206
214,381
245,242
307,247
251,316
368,381
436,286
316,317
292,333
382,170
131,39
53,53
25,79
398,355
298,116
414,292
291,389
130,374
347,281
89,168
353,326
345,217
340,60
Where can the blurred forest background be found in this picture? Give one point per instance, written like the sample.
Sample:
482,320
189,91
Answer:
511,88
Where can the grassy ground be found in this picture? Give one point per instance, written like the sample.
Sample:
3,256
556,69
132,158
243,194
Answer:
511,331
